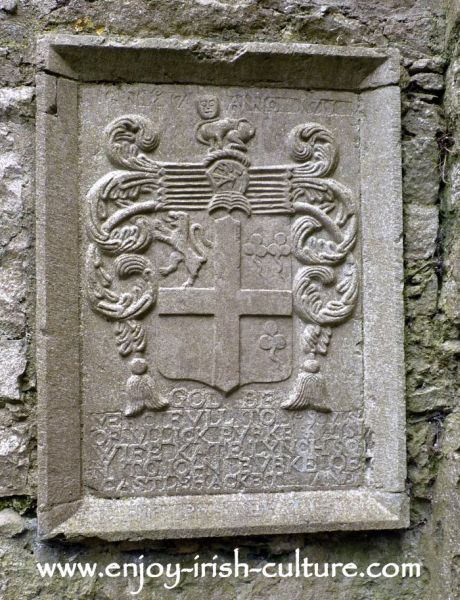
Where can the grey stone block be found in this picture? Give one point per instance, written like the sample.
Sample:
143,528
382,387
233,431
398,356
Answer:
12,366
9,6
430,82
421,178
422,223
435,64
11,523
14,458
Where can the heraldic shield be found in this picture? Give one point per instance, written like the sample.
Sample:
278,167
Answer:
239,329
241,271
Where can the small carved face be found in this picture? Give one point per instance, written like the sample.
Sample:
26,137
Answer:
208,107
176,218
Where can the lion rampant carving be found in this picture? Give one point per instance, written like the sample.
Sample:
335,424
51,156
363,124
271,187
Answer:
186,239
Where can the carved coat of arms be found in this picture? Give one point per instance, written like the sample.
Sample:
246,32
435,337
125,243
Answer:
228,271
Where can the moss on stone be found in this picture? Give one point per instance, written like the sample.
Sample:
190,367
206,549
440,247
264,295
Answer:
24,505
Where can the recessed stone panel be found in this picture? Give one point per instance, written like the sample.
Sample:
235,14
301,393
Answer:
219,309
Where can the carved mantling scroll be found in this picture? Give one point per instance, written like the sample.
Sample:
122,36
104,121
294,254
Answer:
323,235
119,236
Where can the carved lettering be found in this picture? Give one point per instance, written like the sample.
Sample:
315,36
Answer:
226,450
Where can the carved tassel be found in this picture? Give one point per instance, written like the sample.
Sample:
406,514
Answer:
140,391
309,391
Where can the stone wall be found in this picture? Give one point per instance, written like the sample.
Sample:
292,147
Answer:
425,32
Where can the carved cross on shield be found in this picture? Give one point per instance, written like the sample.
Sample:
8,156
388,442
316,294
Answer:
226,302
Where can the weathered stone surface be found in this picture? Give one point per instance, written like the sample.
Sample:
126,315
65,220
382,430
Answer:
14,459
422,223
446,501
11,523
435,64
424,119
9,6
430,82
16,101
230,341
421,177
12,366
422,288
429,398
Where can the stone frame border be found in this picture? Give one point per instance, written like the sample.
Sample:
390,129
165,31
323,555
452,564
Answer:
66,60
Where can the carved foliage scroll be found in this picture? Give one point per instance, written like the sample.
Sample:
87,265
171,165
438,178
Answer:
324,233
122,283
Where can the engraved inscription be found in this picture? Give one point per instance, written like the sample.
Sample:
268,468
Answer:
253,102
328,107
223,450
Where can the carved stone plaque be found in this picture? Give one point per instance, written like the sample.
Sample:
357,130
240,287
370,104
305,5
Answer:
219,306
